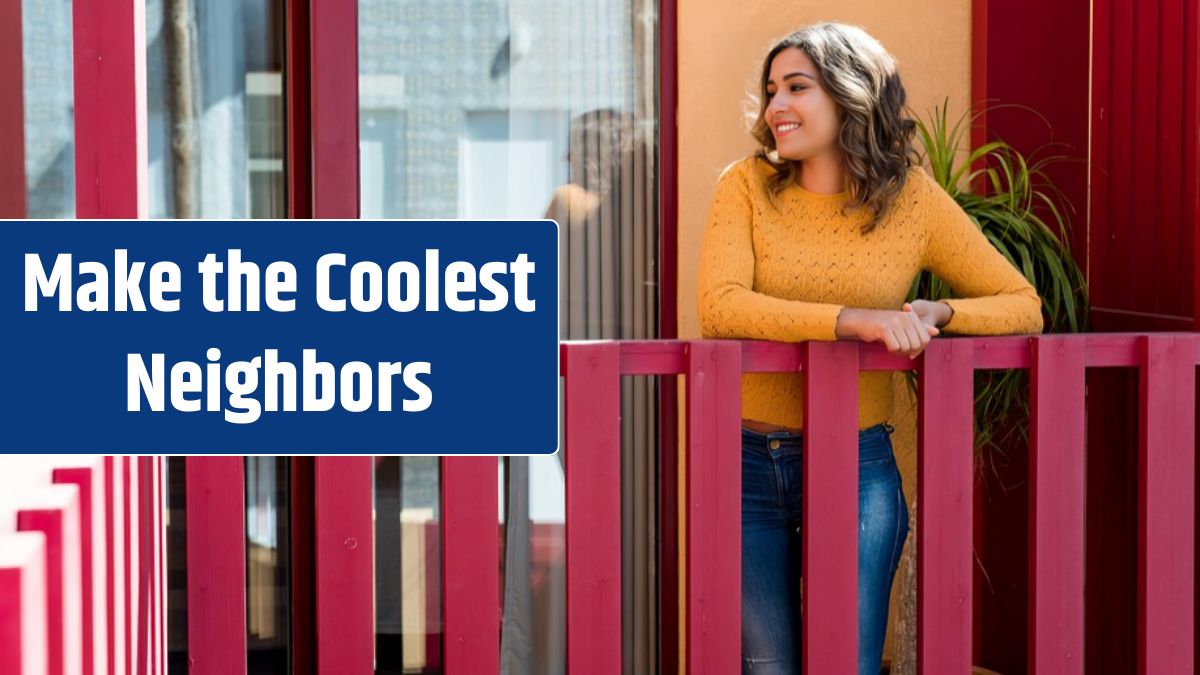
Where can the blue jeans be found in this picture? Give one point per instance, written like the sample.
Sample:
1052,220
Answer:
772,470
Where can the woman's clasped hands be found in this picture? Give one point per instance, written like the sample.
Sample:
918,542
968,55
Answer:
906,332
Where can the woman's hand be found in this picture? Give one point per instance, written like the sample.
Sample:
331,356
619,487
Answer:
936,314
901,332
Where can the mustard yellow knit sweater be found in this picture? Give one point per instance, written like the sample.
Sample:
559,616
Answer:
783,272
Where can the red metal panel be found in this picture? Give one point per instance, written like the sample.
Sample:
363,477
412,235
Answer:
114,582
343,488
53,510
110,108
593,508
1191,146
1166,505
944,465
470,568
87,475
12,113
23,640
334,111
830,512
216,565
714,493
1056,507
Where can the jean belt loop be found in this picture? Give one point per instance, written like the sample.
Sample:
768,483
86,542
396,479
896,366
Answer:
890,429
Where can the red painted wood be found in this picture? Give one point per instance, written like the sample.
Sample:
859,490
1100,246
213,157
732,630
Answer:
53,510
333,40
433,596
1166,507
830,511
216,565
23,640
146,559
303,557
1190,171
1056,507
944,472
114,582
470,567
593,508
668,175
344,564
110,109
87,475
714,493
298,72
130,528
12,113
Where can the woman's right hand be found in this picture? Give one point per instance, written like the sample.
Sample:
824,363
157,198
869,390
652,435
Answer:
901,332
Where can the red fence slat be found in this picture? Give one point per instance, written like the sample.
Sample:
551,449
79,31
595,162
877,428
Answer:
944,473
87,475
830,511
114,582
216,565
333,40
12,113
23,639
345,562
714,492
1166,503
593,508
1056,507
53,510
470,566
110,108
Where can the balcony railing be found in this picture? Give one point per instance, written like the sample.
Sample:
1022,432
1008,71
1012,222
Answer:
46,598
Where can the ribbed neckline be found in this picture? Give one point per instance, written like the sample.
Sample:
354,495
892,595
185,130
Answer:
817,196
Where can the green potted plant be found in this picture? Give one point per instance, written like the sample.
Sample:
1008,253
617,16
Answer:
1022,213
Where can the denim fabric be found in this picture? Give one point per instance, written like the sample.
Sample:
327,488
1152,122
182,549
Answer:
771,500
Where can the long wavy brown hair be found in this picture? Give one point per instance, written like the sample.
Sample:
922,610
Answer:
875,135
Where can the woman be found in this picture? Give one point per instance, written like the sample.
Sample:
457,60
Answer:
819,236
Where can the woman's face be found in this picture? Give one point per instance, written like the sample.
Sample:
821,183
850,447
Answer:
801,114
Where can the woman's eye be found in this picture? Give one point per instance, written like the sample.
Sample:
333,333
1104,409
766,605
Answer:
798,87
770,94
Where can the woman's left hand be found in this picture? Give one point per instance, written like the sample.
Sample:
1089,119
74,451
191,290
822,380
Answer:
936,314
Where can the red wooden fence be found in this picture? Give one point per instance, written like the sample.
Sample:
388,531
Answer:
82,558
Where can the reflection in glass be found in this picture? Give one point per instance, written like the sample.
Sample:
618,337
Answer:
215,109
268,605
408,623
49,108
531,109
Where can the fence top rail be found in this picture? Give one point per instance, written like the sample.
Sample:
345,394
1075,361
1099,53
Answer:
669,357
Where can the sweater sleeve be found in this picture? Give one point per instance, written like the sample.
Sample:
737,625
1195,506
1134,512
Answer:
994,298
729,305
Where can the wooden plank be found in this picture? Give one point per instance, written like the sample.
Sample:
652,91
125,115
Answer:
830,511
23,639
13,189
470,566
1056,507
1166,505
216,565
114,582
334,114
593,507
110,108
714,493
53,510
944,473
345,562
87,474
